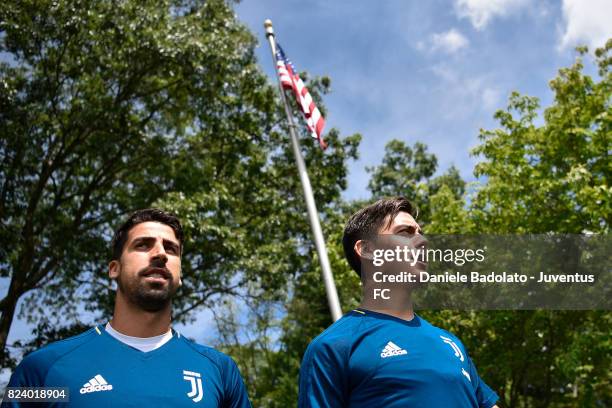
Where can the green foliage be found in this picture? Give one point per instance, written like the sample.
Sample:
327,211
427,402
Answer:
408,172
448,213
549,178
272,364
402,169
552,177
108,107
535,178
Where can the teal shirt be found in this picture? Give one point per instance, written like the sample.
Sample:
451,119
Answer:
101,371
368,359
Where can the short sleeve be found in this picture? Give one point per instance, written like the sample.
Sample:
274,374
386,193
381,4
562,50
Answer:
235,391
485,396
29,373
323,377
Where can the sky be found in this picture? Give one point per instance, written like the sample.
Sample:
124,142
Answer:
431,71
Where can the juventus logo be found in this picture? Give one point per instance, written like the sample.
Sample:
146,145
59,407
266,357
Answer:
457,350
195,379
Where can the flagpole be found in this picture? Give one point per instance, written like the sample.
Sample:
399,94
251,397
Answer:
328,279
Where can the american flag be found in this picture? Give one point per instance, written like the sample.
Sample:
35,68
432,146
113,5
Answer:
291,80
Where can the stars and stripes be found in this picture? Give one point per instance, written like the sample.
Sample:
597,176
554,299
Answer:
291,80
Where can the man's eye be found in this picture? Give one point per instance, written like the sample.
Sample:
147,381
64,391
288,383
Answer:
141,245
172,250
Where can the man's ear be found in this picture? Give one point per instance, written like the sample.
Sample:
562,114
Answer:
113,269
363,249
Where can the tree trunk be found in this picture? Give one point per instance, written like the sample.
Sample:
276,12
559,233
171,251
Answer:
9,304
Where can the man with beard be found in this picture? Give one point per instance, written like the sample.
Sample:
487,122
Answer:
137,359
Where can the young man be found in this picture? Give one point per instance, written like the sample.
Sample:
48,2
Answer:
382,354
137,359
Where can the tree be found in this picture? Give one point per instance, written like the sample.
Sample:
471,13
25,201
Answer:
408,172
109,107
540,179
273,362
273,366
402,169
548,178
557,174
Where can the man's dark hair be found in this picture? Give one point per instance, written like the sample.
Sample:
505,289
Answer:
140,216
368,221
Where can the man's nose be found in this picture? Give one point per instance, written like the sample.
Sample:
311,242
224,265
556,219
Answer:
158,252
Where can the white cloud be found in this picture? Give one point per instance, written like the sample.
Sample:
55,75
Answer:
445,72
586,22
480,12
463,94
491,98
450,41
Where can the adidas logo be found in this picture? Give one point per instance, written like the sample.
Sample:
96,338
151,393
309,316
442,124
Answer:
391,349
98,383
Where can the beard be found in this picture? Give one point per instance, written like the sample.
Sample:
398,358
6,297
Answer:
149,296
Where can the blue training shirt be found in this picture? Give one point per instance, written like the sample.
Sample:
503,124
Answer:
101,371
369,359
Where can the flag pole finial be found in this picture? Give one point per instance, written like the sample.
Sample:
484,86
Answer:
268,26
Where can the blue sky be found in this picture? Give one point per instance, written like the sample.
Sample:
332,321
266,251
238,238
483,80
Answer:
432,71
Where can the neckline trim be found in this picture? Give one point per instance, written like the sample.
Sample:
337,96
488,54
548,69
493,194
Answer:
415,321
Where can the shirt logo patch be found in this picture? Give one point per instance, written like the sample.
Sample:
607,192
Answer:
195,379
98,383
455,348
392,349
